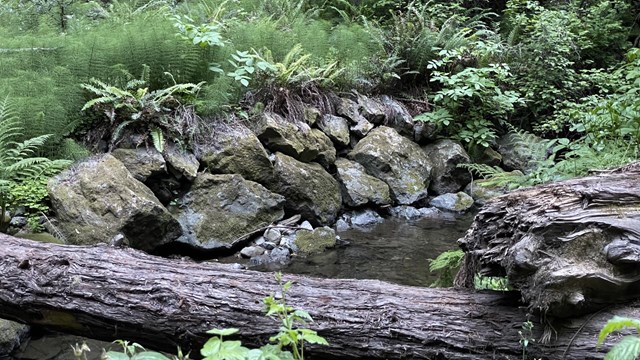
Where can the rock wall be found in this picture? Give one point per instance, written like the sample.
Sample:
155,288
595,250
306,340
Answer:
369,155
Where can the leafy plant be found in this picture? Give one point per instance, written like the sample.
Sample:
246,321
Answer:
526,337
151,112
18,163
628,348
446,264
132,351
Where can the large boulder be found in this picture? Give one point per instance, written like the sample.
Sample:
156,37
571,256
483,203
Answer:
236,150
447,177
309,190
358,187
399,162
142,163
220,210
371,109
279,135
336,128
99,199
452,202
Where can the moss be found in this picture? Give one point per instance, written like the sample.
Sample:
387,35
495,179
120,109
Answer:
41,237
316,241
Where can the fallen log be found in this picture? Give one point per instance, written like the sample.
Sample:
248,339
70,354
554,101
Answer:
570,247
111,293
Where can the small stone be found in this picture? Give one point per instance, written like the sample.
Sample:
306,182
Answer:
272,235
259,241
342,225
306,225
251,251
18,221
280,255
365,218
268,245
289,243
452,202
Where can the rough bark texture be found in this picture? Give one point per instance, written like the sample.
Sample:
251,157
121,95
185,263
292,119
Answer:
571,247
110,293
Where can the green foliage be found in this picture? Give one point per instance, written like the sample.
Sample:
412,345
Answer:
526,337
491,283
18,163
446,264
153,113
626,349
133,351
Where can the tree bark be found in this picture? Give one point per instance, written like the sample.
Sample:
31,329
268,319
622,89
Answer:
570,247
111,293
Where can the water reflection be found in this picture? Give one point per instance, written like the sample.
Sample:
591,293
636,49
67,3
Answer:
395,251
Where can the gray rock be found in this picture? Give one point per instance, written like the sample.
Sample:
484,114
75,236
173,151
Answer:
259,241
251,251
142,163
424,132
371,109
412,213
342,225
490,157
12,334
98,198
182,162
365,218
398,116
220,209
362,128
280,135
358,187
447,177
280,255
326,152
236,150
520,154
316,241
272,235
18,221
349,109
306,225
399,162
452,202
269,245
336,128
309,189
289,242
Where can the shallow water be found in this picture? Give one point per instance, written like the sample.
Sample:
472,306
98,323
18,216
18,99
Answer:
395,251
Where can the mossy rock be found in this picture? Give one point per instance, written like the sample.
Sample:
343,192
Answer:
315,241
12,334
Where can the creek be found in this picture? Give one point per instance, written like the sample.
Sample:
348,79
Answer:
394,250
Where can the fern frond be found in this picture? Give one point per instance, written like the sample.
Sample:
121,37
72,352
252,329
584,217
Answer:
158,139
627,349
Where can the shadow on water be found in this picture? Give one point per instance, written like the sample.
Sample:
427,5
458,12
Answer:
395,251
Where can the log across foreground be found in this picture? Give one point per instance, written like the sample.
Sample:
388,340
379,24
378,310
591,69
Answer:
109,293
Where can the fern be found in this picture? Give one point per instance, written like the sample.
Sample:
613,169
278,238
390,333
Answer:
629,347
17,163
494,176
158,139
445,264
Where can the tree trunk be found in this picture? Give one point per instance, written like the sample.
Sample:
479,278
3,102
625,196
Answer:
570,247
111,293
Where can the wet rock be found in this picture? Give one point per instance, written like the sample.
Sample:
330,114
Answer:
142,163
326,152
399,162
452,202
336,128
98,198
358,187
280,255
518,153
371,109
251,251
447,177
359,218
309,189
315,241
236,150
220,209
279,135
12,334
398,116
182,162
412,213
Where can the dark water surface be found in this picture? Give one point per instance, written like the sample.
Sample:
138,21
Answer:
395,251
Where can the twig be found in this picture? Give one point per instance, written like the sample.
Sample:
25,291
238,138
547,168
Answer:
564,354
